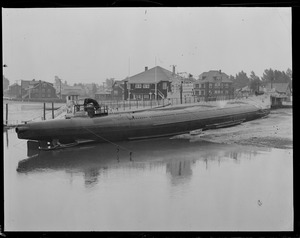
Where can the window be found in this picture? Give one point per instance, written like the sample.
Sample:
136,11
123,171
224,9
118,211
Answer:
211,85
138,85
197,93
115,92
202,92
218,84
215,77
138,96
197,85
49,95
203,77
164,85
146,96
202,85
146,86
49,90
43,90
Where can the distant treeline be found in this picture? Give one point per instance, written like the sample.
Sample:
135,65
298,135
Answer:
253,81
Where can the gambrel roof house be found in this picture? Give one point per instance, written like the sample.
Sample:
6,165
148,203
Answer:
213,76
153,75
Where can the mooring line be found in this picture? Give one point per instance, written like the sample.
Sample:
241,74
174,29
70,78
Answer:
118,146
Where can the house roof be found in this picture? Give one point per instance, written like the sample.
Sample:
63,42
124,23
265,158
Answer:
155,74
102,92
15,84
119,83
279,87
214,73
35,85
243,89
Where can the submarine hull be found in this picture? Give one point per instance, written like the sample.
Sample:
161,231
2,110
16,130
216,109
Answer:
139,125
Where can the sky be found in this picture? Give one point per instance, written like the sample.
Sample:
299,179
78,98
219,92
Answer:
89,45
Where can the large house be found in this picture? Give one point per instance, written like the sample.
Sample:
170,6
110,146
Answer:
37,90
151,84
213,85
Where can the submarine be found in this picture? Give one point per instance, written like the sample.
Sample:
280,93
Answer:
138,125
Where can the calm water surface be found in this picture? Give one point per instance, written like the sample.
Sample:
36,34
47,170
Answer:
177,185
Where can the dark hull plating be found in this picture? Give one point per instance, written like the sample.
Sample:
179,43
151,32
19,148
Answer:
138,125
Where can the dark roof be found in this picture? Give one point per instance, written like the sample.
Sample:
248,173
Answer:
155,74
279,87
214,73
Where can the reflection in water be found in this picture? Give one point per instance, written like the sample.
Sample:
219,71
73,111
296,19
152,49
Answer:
179,157
180,171
91,176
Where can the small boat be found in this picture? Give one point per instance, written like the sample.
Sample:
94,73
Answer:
160,122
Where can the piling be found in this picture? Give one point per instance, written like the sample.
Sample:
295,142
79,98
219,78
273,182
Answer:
6,116
44,111
52,110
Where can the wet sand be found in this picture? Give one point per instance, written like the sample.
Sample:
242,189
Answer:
274,131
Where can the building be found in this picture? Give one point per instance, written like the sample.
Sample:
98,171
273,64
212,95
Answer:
64,90
118,90
37,90
14,91
5,83
182,88
279,92
103,95
151,84
213,85
243,92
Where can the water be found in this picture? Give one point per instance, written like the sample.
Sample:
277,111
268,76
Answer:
18,112
164,185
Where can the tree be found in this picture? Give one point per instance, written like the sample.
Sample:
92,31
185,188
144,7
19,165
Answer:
231,77
268,76
241,80
109,82
254,82
276,76
94,88
289,73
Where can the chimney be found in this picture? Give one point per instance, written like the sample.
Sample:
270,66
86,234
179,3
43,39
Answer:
173,69
219,71
146,68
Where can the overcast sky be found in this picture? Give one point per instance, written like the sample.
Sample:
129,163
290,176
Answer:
92,44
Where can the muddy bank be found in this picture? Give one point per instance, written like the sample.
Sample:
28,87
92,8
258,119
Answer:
273,131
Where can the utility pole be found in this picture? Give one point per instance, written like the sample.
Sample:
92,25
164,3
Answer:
60,87
155,81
